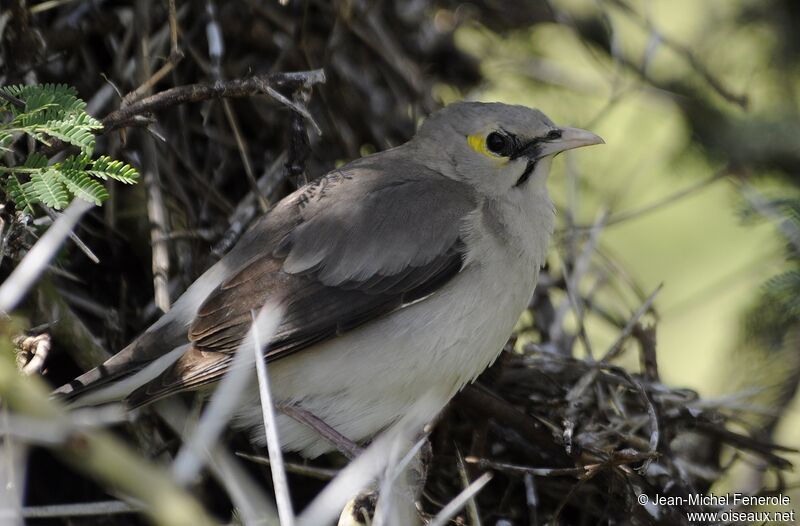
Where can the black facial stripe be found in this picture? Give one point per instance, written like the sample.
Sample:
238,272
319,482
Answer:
527,173
528,149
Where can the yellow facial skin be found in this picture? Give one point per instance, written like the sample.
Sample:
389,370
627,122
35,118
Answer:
478,143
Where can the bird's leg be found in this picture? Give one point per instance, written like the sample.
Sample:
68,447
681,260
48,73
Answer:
345,446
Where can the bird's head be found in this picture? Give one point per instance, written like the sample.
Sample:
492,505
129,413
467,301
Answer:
496,148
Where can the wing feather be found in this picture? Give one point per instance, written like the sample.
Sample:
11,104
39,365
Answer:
362,245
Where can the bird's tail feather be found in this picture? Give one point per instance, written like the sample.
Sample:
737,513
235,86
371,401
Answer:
116,378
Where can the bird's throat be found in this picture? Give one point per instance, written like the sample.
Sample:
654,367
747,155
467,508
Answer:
527,173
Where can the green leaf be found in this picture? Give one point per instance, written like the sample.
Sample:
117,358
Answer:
49,189
6,138
54,111
105,167
24,198
75,162
75,130
83,186
35,160
43,102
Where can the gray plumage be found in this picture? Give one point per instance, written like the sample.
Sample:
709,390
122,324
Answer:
391,252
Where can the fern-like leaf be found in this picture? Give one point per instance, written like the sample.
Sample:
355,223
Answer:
49,189
35,160
54,111
83,186
23,197
105,167
43,103
6,138
75,162
75,130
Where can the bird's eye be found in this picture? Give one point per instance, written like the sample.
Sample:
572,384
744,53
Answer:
497,143
552,135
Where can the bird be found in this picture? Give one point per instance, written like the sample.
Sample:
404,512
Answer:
400,273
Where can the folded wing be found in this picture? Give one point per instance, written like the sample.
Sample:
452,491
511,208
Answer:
344,250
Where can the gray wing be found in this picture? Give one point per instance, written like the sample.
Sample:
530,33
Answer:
351,247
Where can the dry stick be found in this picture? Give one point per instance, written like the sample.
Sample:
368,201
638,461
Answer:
572,280
156,208
69,329
444,516
268,318
660,203
628,329
253,505
175,56
5,235
246,209
159,228
383,508
485,463
386,47
248,87
12,100
655,433
75,239
472,506
244,155
298,469
84,509
299,108
694,62
174,50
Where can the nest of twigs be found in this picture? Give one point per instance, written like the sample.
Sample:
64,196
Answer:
583,441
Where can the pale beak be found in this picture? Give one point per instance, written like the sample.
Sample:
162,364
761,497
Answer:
570,138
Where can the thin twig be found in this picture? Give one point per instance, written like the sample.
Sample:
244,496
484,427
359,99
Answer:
14,101
298,469
447,513
253,504
244,155
175,56
472,506
84,509
627,215
268,319
36,260
628,329
681,49
573,279
199,92
159,226
294,106
75,239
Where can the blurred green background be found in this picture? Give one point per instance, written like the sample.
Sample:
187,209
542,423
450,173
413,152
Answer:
712,262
